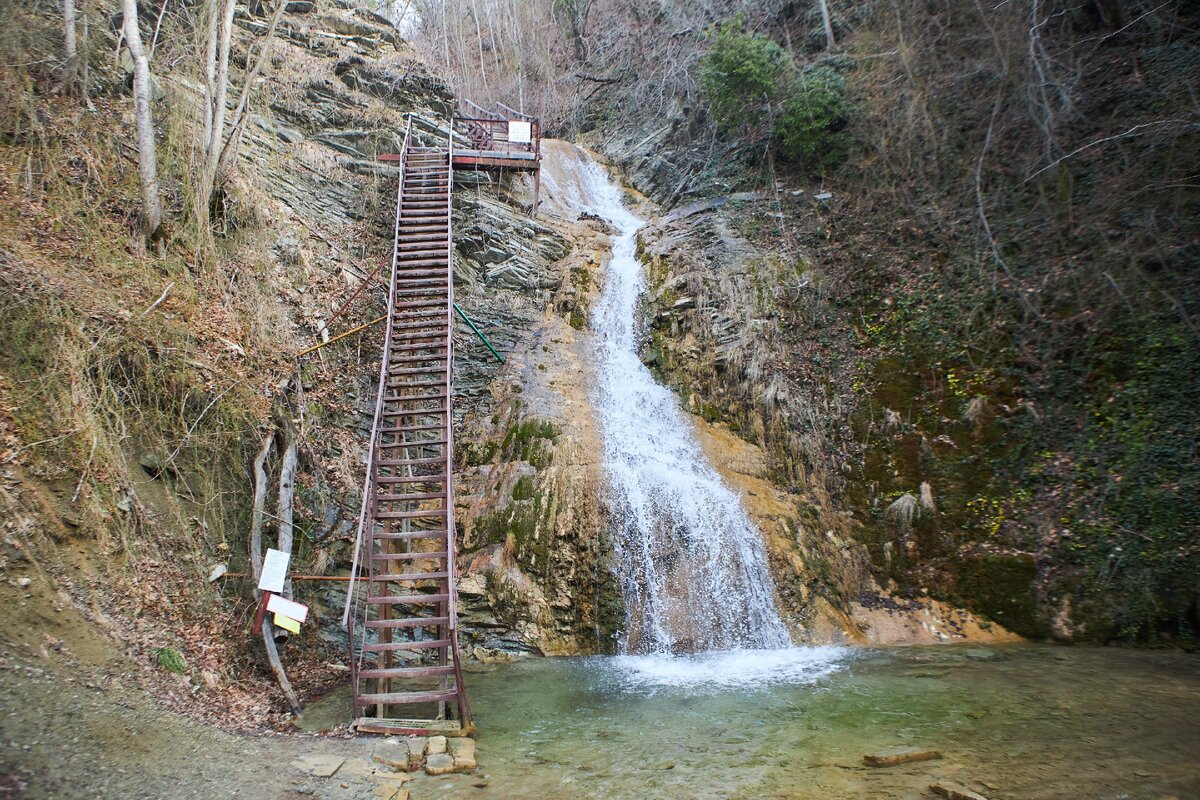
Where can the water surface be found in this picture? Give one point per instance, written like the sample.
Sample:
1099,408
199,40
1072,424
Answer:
1020,721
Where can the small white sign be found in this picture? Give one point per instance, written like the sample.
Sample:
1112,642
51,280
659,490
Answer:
288,608
274,571
520,132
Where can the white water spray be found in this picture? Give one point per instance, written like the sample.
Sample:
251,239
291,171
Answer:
692,565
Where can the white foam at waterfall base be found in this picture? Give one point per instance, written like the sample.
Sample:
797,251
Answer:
692,566
741,670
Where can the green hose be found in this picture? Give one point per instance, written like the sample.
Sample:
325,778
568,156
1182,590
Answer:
479,333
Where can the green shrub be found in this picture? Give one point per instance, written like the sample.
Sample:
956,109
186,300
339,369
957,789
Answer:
811,128
170,659
740,73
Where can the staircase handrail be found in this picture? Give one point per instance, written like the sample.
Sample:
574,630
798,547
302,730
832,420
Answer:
368,487
512,111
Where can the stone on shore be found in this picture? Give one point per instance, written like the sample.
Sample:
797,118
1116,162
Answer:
439,764
899,755
416,751
954,791
435,745
463,751
389,792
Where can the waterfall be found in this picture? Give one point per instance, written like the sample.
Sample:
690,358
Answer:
692,565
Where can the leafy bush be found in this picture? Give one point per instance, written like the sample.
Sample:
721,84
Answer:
811,127
170,659
741,72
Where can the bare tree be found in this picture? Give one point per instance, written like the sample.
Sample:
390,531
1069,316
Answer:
70,50
233,141
827,22
152,217
576,14
216,89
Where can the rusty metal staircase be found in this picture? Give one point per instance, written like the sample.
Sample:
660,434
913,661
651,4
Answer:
406,671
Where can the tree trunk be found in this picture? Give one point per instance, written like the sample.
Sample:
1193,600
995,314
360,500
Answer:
70,50
827,22
293,699
147,150
256,562
287,489
230,148
216,90
259,510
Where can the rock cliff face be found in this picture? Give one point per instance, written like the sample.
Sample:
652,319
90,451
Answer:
531,526
739,324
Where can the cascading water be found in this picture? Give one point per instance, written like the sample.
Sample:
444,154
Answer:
692,565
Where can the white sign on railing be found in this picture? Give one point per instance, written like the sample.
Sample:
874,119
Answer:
520,132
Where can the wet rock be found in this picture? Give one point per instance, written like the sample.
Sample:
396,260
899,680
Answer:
954,791
439,764
899,755
463,751
435,745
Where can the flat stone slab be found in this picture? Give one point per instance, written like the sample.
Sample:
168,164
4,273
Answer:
899,755
439,764
399,764
319,766
463,751
954,791
435,745
391,793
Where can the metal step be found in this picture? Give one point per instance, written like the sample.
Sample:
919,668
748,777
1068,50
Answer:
406,557
405,698
386,647
387,480
436,512
409,599
407,672
408,622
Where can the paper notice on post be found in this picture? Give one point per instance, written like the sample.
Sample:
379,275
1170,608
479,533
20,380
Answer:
274,571
287,623
289,608
520,132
